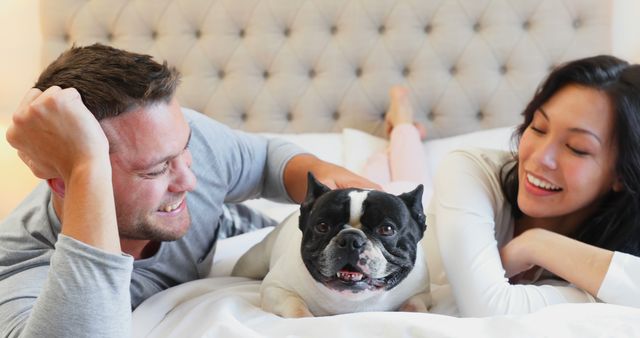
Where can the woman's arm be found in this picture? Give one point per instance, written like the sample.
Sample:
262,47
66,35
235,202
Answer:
610,276
471,218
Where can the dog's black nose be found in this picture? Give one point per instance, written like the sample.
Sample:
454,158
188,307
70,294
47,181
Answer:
351,240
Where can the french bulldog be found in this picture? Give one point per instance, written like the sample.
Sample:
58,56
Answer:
346,250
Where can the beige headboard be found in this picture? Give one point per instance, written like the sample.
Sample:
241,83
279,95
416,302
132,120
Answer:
322,65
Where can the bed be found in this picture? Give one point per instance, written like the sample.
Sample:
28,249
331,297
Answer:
317,72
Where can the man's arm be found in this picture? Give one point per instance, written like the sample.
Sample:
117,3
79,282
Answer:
333,176
85,290
58,138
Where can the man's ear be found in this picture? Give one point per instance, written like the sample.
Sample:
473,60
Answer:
315,189
413,200
57,186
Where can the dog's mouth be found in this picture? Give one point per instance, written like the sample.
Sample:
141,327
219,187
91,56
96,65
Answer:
349,274
350,277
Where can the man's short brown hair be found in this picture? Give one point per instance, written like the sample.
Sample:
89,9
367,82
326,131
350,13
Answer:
111,81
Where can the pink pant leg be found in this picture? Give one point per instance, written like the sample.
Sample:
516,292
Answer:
407,160
403,166
377,168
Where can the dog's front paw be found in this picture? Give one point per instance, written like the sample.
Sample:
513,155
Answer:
296,312
284,303
418,303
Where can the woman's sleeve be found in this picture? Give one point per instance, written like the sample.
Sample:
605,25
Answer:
463,211
621,284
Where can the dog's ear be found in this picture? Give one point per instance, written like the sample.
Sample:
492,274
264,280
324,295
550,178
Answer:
413,200
315,189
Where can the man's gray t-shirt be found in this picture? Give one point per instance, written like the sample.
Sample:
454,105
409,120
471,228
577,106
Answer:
53,285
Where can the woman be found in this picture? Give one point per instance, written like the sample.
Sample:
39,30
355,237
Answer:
565,207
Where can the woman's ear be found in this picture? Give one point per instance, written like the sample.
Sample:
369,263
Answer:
617,185
57,186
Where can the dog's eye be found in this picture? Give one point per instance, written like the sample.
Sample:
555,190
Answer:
386,230
322,227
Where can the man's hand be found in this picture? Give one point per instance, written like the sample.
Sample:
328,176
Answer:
331,175
55,133
59,138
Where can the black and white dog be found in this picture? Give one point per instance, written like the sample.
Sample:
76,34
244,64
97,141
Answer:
349,250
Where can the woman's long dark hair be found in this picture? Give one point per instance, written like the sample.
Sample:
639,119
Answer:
616,224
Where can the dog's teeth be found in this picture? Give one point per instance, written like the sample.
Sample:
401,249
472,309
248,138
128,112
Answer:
350,276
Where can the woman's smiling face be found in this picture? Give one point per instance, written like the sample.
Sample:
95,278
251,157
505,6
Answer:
567,157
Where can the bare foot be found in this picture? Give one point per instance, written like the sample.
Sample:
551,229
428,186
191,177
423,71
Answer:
400,111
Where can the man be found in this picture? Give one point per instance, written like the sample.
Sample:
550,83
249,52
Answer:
122,217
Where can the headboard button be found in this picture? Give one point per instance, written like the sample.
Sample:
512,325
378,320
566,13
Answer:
577,23
431,115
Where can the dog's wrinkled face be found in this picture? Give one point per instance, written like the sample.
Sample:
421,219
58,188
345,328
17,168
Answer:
356,240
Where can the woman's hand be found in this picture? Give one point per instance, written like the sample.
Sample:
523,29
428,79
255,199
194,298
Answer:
516,255
578,263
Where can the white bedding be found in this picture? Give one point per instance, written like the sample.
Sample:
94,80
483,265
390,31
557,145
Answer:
222,306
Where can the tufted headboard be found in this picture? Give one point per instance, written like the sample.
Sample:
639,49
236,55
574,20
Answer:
322,65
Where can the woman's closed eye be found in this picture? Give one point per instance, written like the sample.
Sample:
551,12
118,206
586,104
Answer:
538,129
578,151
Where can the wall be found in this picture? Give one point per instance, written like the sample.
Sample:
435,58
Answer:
20,57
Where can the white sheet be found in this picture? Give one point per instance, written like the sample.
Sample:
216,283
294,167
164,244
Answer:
222,306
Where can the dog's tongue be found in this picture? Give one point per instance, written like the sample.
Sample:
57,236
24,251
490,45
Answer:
349,275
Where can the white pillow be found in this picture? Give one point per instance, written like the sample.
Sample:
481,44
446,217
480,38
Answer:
327,146
498,138
358,146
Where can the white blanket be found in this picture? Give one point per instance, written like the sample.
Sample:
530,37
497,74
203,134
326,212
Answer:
229,307
222,306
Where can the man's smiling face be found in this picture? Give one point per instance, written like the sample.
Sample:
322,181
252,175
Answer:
151,171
